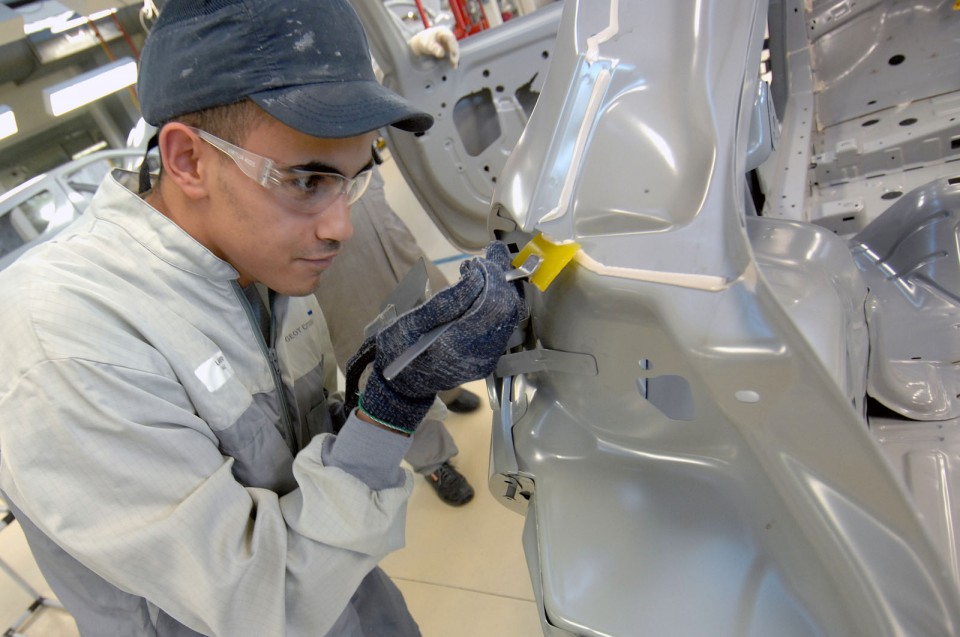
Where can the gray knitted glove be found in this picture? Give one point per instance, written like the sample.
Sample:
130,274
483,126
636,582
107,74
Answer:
483,307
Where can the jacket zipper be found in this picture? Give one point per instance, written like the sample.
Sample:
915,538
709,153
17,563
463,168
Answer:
271,355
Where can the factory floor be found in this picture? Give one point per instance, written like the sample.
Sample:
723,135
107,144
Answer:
462,571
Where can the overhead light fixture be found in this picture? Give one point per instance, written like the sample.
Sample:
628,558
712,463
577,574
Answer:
90,86
47,21
73,23
8,122
87,7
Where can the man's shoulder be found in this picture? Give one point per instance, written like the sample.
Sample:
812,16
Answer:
59,289
21,285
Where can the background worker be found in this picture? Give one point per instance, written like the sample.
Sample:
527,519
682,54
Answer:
163,412
380,253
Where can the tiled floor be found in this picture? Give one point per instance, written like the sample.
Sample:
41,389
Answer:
463,571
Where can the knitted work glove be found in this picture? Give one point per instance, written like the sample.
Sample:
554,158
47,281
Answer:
483,307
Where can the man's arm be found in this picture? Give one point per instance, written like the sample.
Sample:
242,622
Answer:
132,484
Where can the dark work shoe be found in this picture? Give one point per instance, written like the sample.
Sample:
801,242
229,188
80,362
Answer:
450,485
464,403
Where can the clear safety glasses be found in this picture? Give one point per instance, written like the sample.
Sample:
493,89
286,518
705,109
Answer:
307,190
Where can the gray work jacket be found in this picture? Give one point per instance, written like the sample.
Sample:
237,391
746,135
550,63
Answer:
165,482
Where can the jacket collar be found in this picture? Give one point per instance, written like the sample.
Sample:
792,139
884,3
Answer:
116,202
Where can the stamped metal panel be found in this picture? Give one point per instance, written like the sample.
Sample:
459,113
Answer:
928,454
910,259
874,108
615,168
812,273
870,56
785,175
756,512
683,424
714,475
480,111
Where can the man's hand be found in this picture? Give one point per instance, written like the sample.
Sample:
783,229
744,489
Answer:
483,310
440,42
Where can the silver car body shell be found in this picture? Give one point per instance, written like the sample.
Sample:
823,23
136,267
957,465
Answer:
684,420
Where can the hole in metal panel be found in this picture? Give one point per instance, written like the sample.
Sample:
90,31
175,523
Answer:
475,116
671,394
527,96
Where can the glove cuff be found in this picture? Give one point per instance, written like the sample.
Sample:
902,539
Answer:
391,409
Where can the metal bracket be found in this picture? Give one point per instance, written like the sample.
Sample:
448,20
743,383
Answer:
543,360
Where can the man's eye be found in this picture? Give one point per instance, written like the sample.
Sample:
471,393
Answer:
313,184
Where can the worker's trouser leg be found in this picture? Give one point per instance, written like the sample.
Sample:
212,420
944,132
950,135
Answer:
375,610
432,446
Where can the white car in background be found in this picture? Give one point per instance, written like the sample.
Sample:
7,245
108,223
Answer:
41,207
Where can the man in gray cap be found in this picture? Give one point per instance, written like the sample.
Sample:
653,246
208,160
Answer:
166,418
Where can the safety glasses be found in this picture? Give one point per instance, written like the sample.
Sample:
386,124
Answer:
305,190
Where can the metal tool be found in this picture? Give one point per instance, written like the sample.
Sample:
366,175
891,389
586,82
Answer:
412,290
526,269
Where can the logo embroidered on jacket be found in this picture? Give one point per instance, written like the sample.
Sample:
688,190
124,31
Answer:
297,332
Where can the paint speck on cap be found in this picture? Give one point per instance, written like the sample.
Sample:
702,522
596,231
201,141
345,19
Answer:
304,42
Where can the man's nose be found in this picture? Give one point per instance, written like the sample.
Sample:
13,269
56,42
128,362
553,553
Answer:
334,223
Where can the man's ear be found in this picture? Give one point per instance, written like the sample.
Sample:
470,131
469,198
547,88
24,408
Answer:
183,158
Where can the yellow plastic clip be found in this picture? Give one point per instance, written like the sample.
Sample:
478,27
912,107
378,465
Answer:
555,257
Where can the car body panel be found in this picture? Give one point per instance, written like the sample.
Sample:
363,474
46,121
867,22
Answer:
689,417
480,109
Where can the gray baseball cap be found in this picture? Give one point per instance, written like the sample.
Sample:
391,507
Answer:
305,62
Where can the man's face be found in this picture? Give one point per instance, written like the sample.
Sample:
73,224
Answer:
264,235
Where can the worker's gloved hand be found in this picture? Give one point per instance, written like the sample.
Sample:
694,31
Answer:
440,42
484,309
